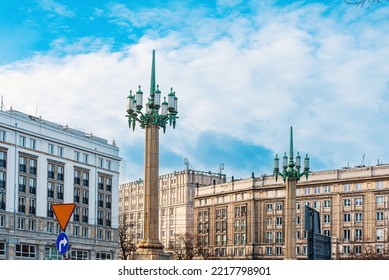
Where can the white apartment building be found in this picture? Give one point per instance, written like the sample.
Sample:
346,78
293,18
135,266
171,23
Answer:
44,163
176,203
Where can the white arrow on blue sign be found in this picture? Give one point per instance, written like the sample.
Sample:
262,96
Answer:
62,243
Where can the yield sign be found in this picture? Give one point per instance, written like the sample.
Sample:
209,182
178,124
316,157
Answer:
63,213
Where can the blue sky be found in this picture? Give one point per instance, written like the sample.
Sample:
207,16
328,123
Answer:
243,71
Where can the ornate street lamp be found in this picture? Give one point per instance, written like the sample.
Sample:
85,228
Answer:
290,174
156,115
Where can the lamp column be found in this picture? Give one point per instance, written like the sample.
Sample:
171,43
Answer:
157,116
290,174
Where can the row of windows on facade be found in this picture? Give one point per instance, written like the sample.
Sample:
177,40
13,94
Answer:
280,193
29,251
30,224
56,150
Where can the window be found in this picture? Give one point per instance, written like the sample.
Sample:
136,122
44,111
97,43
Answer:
33,165
49,227
3,159
357,249
278,221
109,164
33,144
327,219
346,234
2,249
21,223
60,151
103,256
101,162
278,251
85,158
327,189
316,190
379,185
347,218
278,237
358,217
25,251
379,233
358,234
85,232
77,156
327,232
22,141
307,190
269,237
2,135
346,202
269,251
51,149
31,225
316,204
358,201
279,206
269,207
346,187
379,199
269,222
358,186
346,249
79,254
379,216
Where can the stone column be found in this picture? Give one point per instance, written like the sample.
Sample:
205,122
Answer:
290,219
150,247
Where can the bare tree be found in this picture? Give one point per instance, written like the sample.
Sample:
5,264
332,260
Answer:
127,238
184,248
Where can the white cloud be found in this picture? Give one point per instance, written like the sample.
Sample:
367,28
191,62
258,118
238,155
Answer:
323,76
57,8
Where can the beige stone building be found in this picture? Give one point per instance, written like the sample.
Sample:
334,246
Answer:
244,219
176,201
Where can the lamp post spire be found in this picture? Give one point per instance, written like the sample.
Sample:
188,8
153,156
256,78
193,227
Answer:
290,174
152,84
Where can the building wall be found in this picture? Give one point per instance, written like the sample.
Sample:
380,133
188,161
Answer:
176,198
353,205
41,161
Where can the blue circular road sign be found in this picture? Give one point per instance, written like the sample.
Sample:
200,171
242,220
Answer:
62,243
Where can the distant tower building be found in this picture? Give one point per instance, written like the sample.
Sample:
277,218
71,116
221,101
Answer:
43,163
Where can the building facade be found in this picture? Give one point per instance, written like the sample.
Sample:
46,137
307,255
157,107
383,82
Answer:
43,163
245,219
176,203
